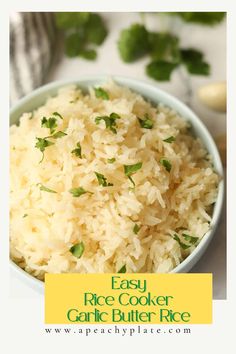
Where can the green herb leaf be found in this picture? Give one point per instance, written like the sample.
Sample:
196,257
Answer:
190,239
102,180
203,18
164,47
130,169
77,151
194,62
110,121
191,55
58,135
111,160
198,68
24,216
77,250
77,192
50,123
166,164
136,228
73,44
89,54
182,245
67,20
101,93
169,140
95,29
133,43
122,269
160,70
147,122
45,189
81,30
57,115
42,144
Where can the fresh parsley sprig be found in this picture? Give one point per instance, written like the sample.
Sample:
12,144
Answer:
50,123
42,144
164,48
110,121
83,31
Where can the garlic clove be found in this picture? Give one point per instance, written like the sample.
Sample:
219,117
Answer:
214,96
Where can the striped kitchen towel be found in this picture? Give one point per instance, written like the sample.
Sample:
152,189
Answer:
32,50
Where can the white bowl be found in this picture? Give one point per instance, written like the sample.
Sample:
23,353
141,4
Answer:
155,95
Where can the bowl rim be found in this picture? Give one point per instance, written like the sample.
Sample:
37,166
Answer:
173,102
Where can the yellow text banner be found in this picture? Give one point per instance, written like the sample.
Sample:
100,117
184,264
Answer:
128,298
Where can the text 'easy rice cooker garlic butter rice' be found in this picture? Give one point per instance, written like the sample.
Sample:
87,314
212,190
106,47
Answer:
106,182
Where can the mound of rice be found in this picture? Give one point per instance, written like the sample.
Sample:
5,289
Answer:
120,226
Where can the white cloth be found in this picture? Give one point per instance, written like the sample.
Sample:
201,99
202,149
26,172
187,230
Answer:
32,49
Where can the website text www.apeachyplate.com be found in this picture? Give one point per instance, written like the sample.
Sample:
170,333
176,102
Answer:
128,331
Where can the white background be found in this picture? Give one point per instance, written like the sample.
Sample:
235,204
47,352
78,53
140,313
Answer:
22,320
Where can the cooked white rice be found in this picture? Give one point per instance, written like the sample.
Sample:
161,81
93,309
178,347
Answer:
44,225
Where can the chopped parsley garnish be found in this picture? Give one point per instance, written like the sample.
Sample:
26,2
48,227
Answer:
77,250
136,228
101,93
169,140
182,245
122,269
77,192
45,189
110,121
147,122
57,135
42,144
111,160
50,123
57,115
77,151
192,240
24,216
102,180
131,169
166,164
